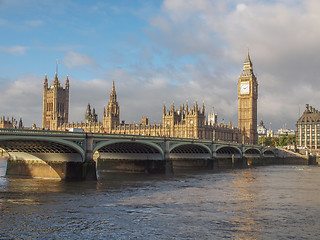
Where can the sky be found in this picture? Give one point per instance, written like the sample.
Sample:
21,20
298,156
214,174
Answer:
160,52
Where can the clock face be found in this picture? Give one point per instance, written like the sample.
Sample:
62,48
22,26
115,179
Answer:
244,88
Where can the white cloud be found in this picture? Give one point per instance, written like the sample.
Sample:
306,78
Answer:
206,42
283,39
74,60
22,98
16,50
241,7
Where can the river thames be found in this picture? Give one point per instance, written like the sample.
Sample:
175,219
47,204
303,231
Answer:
272,202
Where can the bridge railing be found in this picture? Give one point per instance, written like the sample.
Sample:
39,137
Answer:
13,131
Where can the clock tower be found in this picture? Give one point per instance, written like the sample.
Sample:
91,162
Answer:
248,96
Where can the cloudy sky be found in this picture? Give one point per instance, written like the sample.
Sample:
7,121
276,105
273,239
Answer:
160,52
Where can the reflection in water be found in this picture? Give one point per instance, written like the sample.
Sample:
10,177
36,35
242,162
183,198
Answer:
244,205
264,203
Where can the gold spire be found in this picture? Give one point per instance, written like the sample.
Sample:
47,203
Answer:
113,95
113,88
247,62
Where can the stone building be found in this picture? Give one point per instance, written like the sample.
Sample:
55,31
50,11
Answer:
10,123
248,97
262,130
308,129
181,122
55,104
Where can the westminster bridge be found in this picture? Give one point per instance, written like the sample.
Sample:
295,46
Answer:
75,155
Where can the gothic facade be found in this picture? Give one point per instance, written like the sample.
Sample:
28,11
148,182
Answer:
248,97
181,122
55,104
10,123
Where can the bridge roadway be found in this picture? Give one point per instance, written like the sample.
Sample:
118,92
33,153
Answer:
73,155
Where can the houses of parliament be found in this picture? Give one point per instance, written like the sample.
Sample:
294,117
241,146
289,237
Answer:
182,122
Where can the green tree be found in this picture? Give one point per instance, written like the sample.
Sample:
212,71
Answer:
283,141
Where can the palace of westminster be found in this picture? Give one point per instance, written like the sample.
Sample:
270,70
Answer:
181,122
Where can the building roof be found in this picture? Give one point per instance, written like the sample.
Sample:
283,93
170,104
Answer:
309,115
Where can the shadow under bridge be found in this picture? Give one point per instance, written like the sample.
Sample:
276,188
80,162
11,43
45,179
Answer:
190,151
129,150
228,152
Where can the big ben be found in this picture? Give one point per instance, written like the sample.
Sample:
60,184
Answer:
248,97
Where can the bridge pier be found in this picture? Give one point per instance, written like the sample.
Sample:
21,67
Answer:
89,169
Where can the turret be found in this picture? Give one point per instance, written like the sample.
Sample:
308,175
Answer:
45,83
67,83
88,112
111,116
56,81
55,104
20,124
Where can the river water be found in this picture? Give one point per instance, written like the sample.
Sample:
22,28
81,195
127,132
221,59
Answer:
273,202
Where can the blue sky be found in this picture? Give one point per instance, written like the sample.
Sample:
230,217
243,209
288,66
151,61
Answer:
39,32
160,52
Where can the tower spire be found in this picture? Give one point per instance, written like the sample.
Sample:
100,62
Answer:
45,83
113,95
247,62
67,82
56,81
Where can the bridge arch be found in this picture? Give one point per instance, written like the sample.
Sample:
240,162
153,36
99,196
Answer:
34,146
129,149
44,157
268,153
252,151
190,148
228,152
228,149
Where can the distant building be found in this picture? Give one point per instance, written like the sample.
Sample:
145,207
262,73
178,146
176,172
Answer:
261,129
308,129
10,123
286,132
270,133
212,118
